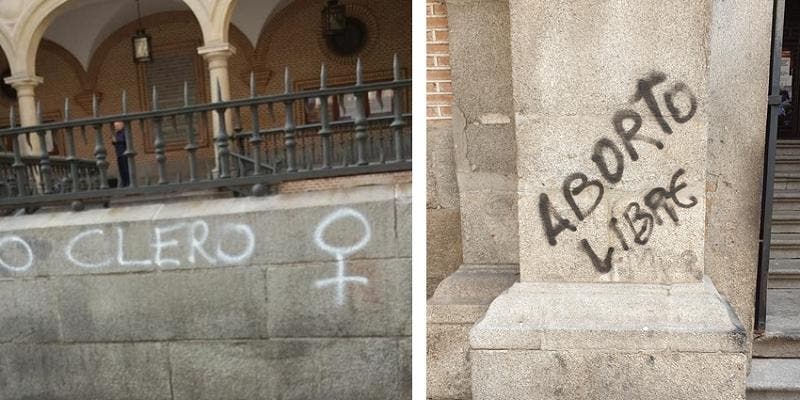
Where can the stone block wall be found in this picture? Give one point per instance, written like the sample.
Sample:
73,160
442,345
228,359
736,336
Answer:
294,296
444,217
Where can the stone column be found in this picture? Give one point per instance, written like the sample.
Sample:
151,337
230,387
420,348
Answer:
26,99
612,128
484,153
217,55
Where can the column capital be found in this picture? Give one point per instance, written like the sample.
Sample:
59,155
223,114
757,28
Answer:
216,50
24,81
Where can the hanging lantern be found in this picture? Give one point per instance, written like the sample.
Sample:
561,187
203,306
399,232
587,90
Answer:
141,41
334,16
141,47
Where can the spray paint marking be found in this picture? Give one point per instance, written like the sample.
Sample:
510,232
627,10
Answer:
18,240
341,252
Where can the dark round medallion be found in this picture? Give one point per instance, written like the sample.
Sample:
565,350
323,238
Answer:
351,40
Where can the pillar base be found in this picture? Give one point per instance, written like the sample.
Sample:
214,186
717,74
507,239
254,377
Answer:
459,302
612,341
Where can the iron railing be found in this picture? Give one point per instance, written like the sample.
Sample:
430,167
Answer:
269,144
63,180
767,189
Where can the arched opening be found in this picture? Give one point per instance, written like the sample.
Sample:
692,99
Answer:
8,98
105,53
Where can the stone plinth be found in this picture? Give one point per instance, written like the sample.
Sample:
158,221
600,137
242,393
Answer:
611,341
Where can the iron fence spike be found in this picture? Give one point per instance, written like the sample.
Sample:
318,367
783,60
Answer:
252,84
359,72
396,67
124,101
287,80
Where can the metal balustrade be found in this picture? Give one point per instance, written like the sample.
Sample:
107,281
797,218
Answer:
269,150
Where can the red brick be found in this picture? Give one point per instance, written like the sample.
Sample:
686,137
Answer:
441,35
438,75
437,22
440,99
443,61
434,48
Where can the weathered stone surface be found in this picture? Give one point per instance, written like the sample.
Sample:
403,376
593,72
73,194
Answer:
603,317
209,234
228,303
443,244
289,369
84,371
736,116
441,185
448,364
405,351
782,337
403,221
470,285
573,137
479,50
773,379
483,132
460,301
147,322
586,374
29,312
379,307
274,369
489,227
610,43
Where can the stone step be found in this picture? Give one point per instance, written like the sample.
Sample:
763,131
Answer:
784,147
782,336
786,200
785,222
774,379
787,163
785,246
784,273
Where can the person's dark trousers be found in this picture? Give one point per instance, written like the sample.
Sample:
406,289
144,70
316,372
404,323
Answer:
124,177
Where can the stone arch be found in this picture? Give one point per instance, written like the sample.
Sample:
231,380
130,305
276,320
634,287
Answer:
6,46
34,21
67,57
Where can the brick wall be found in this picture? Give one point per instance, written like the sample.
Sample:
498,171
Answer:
439,86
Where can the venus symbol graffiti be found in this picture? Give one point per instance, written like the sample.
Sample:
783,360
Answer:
341,252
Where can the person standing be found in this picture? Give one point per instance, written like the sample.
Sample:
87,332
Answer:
120,146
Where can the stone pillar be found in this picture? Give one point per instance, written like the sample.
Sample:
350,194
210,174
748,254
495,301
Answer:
26,99
485,168
217,55
612,128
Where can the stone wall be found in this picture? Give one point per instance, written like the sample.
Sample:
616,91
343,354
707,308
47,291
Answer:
303,296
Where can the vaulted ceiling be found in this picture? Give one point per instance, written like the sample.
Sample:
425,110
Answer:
84,26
